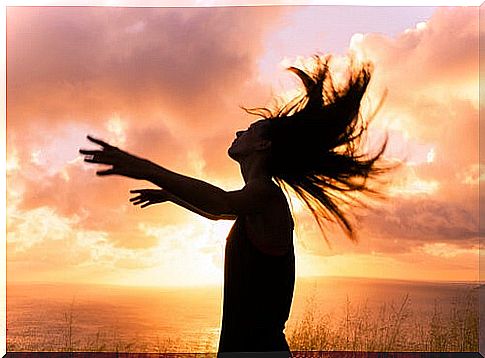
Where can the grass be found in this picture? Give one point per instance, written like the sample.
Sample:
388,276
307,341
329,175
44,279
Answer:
391,327
388,327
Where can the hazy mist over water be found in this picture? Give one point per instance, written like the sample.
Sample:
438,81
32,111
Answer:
56,316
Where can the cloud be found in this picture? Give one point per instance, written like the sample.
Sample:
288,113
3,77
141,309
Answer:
64,251
95,204
441,52
56,242
174,76
166,84
431,116
139,61
431,72
147,79
425,219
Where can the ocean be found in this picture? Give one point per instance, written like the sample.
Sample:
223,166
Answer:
53,317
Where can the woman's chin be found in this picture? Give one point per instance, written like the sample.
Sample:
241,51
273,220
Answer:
230,153
233,154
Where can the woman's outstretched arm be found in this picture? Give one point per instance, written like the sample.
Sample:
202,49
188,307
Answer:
147,197
196,193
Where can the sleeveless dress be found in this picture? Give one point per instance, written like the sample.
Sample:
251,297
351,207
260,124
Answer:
258,290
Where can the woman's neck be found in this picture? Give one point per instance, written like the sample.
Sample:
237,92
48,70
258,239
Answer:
255,167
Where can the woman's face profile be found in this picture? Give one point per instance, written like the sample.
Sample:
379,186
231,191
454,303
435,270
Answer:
249,141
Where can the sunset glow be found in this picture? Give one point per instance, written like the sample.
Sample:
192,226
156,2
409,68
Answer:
167,84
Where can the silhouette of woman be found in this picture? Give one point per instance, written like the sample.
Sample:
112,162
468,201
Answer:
310,145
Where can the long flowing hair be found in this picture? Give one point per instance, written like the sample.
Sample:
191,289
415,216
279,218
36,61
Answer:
316,142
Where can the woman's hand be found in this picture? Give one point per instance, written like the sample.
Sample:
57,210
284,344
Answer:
193,194
148,197
122,163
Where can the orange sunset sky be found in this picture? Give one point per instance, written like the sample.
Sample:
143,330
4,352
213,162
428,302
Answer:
167,83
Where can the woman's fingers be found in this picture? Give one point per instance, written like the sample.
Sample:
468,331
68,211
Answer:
140,191
91,155
138,199
147,197
105,172
146,191
96,156
89,152
144,203
121,162
99,142
106,155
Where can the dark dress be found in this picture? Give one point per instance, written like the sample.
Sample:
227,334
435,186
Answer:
258,290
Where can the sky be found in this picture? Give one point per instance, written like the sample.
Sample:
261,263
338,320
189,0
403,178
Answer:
167,84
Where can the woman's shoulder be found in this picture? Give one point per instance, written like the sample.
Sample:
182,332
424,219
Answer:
265,185
271,230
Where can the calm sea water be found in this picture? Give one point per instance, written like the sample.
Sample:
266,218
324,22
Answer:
91,317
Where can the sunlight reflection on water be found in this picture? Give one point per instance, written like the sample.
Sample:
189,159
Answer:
83,317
